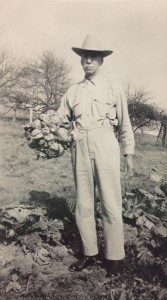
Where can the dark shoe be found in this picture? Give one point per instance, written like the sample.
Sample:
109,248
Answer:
83,263
114,267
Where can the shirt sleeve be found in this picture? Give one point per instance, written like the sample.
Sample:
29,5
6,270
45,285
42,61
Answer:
65,111
125,128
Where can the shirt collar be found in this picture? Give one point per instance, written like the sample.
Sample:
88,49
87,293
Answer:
95,80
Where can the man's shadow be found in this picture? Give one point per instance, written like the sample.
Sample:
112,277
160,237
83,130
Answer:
57,207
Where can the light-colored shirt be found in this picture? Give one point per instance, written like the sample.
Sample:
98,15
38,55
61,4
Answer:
98,103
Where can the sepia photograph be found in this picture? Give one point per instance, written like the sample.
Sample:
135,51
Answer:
83,150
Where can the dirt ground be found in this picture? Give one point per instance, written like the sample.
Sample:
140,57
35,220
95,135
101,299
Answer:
34,256
35,266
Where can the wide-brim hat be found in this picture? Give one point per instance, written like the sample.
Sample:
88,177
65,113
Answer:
91,44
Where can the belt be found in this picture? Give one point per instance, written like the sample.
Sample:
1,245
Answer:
77,134
104,128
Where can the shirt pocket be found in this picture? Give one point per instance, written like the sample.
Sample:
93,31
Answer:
102,107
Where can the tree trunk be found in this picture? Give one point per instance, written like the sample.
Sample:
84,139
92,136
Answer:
159,133
164,134
24,112
31,114
14,116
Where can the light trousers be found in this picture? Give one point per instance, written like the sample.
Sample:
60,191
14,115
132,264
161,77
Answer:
97,162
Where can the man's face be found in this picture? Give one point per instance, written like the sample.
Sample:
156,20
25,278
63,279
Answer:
91,62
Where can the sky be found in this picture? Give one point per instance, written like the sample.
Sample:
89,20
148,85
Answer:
135,30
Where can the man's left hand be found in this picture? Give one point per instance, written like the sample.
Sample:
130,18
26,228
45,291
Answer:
129,166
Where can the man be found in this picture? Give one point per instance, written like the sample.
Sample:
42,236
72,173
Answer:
97,107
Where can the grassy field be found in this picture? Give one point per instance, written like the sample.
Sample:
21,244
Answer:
21,173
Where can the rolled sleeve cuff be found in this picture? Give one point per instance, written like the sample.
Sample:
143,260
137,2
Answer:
129,150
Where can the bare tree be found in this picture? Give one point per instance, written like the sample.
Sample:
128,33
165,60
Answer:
142,113
40,83
162,134
47,80
7,78
11,74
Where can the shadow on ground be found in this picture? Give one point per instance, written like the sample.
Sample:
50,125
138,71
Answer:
57,208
